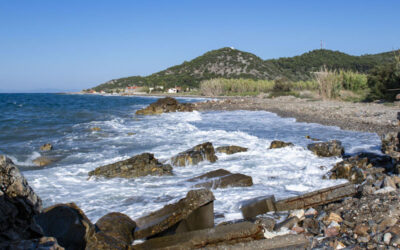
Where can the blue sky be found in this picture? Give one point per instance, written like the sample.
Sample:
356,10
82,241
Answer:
72,45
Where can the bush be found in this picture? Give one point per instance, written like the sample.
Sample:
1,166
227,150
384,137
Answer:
329,83
384,82
353,81
282,84
221,86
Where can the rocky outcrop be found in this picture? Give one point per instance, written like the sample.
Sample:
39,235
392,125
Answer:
165,105
42,161
222,179
46,147
139,165
18,205
280,144
118,226
231,149
327,149
195,155
194,212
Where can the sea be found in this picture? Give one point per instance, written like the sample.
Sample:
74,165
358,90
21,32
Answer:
28,121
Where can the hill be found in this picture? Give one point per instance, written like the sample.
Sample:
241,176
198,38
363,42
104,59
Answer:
232,63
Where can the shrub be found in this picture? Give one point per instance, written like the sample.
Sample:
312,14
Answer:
353,81
282,84
384,82
329,83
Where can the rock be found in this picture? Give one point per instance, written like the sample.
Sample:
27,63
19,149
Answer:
260,205
299,213
386,238
222,179
311,226
331,232
195,155
391,145
387,222
139,165
288,223
279,144
165,105
118,226
44,243
42,161
101,241
267,223
46,147
18,205
227,234
194,212
231,149
327,149
67,223
361,229
334,217
311,213
131,133
95,129
388,182
313,139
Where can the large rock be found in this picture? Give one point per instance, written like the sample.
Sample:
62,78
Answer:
195,155
222,179
194,212
165,105
280,144
118,226
46,147
327,149
18,205
42,161
231,149
226,234
44,243
139,165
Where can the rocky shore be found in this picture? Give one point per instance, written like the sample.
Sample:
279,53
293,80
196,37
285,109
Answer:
363,213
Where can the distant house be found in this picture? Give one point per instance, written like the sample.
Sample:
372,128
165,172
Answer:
172,90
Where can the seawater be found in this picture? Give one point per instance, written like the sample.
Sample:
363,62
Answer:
30,120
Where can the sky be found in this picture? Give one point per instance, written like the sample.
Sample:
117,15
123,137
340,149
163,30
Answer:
67,45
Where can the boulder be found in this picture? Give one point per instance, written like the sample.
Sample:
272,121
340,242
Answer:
231,149
18,205
118,226
165,105
44,243
139,165
195,155
194,212
226,234
46,147
327,149
222,179
280,144
42,161
95,129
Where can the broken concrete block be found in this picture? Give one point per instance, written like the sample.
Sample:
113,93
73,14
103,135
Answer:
260,205
227,180
194,212
288,223
227,234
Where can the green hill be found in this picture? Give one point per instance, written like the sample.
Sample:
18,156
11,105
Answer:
233,63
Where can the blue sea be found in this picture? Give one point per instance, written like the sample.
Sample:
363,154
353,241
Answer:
28,121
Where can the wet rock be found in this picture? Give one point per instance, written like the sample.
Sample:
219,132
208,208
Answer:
288,223
195,155
139,165
260,205
95,129
46,147
227,234
280,144
231,149
165,105
222,179
193,212
44,243
313,139
42,161
267,223
118,226
327,149
101,241
18,205
131,133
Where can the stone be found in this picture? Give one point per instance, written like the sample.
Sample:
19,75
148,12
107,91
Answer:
139,165
42,161
387,222
260,205
311,213
298,230
230,149
118,226
288,223
311,226
18,205
44,243
195,155
299,213
334,217
194,212
388,182
280,144
313,139
46,147
131,133
331,232
327,149
386,238
210,175
226,234
165,105
267,223
95,129
361,229
230,180
101,241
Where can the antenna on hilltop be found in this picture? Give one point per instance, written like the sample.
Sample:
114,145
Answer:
322,44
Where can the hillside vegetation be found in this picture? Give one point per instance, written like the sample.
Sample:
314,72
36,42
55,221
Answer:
235,64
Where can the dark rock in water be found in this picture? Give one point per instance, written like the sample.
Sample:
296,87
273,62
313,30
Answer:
95,129
313,139
227,234
194,212
231,149
165,105
18,205
195,155
67,223
222,179
44,243
327,149
139,165
46,147
118,226
280,144
42,161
